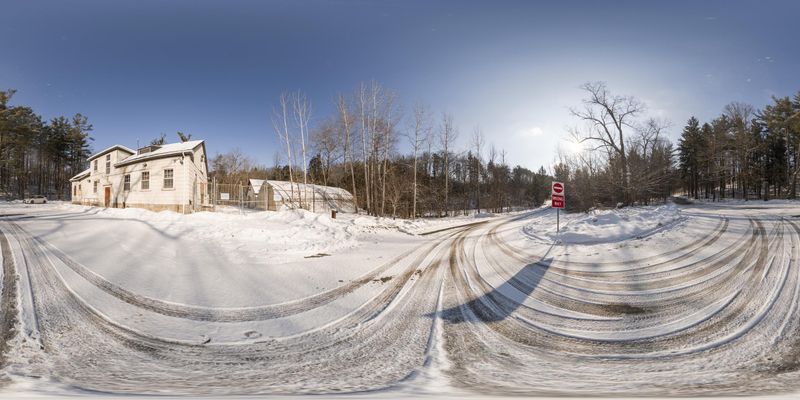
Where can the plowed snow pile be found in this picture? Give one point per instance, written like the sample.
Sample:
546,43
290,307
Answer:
283,235
604,226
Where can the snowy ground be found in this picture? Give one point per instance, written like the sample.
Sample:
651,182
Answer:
604,226
660,301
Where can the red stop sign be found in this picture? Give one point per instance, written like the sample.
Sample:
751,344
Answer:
558,187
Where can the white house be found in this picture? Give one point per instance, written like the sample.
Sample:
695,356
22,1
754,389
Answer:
161,177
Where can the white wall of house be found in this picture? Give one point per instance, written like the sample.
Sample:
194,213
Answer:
148,184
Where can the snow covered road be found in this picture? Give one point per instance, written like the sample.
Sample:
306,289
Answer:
703,302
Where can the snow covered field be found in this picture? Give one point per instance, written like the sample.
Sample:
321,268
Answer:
691,300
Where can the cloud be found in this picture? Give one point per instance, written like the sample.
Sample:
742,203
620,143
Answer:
532,132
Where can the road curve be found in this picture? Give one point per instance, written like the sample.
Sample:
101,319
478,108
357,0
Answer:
477,307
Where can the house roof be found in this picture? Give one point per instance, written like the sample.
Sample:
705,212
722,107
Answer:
256,185
112,148
166,150
82,175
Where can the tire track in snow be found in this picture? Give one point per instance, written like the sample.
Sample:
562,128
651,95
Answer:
492,342
489,321
373,348
8,300
238,314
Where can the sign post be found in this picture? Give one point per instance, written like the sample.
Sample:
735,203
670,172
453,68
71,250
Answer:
557,201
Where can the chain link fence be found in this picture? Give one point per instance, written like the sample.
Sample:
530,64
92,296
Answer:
278,195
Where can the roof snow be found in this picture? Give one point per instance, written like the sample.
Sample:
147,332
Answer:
162,151
286,189
256,185
112,148
81,175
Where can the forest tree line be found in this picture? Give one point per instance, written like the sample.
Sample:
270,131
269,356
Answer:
357,148
38,156
626,157
743,153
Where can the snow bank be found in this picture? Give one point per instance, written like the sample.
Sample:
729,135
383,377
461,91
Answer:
604,226
282,235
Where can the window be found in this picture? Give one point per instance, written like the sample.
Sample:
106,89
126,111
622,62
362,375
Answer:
95,165
145,180
126,182
74,190
167,179
108,164
95,187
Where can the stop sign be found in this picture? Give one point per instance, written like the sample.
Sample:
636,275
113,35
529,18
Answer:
557,195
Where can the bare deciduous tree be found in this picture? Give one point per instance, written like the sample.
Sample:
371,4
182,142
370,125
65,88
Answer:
421,129
346,123
477,143
608,118
280,122
325,142
302,115
447,134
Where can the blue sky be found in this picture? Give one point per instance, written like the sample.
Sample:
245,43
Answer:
215,69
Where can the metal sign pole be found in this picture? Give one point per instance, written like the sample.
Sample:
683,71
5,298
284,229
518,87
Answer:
558,220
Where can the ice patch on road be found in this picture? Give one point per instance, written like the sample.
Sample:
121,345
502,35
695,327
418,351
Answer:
604,226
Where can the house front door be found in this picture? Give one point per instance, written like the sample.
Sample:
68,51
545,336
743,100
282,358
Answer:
107,198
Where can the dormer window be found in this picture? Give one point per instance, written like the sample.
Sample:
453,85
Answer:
148,149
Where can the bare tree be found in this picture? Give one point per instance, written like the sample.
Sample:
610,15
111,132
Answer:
326,143
346,123
280,122
421,128
365,132
477,143
447,134
302,115
607,119
387,126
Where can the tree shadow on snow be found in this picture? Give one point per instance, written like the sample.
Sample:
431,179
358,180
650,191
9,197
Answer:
503,300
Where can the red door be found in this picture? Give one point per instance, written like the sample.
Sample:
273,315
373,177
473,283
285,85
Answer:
107,193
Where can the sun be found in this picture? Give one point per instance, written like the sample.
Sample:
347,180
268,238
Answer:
573,146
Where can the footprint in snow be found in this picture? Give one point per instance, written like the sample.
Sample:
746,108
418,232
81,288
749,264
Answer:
252,335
